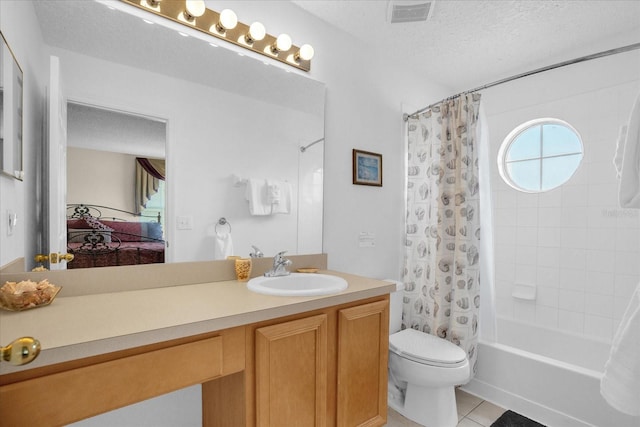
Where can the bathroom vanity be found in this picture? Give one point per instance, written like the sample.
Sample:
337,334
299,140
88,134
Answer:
262,360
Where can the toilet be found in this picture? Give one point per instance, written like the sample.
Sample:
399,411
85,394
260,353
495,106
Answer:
423,371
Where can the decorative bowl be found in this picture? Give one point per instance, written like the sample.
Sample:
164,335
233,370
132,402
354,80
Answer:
27,294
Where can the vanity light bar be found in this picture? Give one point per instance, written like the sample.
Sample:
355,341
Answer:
213,23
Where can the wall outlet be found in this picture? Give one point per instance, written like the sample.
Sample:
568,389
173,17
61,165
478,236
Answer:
184,222
367,239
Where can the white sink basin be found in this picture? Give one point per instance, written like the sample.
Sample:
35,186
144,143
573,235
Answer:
298,284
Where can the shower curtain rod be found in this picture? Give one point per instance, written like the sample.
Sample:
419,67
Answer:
303,149
530,73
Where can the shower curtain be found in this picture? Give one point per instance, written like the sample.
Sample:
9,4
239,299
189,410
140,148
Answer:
442,259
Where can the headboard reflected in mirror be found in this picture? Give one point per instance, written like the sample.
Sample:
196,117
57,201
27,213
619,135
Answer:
226,115
96,239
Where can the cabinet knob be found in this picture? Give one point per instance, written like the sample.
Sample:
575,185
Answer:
20,351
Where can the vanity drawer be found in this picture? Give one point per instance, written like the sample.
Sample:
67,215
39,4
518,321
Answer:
76,394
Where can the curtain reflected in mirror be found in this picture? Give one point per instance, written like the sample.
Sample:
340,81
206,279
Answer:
150,174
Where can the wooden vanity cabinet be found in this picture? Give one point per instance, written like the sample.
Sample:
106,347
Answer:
363,349
60,394
291,373
323,368
326,367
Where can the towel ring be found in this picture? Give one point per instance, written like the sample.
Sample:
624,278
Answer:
222,222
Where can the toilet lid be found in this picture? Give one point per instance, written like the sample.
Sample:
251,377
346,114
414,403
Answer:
425,348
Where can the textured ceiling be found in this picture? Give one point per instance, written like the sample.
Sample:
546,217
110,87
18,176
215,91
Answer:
467,43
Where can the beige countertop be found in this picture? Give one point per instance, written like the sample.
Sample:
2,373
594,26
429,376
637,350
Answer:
78,326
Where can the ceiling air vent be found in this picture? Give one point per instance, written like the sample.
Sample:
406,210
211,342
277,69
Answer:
409,11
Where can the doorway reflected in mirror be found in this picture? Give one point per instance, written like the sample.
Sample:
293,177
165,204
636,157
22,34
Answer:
115,187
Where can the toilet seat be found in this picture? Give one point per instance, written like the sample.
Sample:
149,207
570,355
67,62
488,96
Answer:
426,349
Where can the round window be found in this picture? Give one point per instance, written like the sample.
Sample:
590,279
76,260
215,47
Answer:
540,155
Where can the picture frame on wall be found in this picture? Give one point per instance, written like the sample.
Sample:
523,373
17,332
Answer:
367,168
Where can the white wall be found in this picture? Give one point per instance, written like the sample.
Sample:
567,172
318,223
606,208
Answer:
101,178
574,242
19,27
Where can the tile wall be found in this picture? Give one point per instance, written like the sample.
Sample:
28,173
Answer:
574,242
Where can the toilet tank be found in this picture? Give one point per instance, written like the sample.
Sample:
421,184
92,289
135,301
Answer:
395,307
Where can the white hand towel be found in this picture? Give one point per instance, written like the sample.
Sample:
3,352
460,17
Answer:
255,193
629,189
620,384
283,204
223,246
273,192
617,159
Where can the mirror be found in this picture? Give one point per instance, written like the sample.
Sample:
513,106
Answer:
10,113
229,119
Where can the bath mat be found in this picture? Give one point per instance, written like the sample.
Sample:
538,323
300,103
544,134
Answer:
511,419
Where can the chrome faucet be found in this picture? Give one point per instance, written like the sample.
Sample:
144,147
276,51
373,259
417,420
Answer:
280,264
257,253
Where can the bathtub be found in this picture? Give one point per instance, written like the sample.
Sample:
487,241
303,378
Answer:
548,375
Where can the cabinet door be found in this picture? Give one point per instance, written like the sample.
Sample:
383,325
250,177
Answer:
363,345
291,373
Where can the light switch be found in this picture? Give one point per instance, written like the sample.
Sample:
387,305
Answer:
184,222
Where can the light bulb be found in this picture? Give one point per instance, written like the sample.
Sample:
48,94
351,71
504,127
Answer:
282,44
195,8
228,20
305,53
256,33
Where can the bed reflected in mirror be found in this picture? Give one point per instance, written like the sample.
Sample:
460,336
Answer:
116,180
97,240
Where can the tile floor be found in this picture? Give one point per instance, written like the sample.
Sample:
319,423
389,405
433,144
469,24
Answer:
472,412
